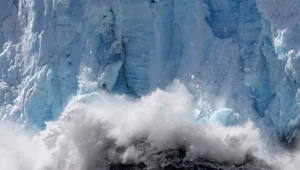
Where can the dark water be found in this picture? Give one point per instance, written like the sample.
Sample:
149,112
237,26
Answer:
176,160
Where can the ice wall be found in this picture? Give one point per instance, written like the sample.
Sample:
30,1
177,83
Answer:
283,111
45,48
235,54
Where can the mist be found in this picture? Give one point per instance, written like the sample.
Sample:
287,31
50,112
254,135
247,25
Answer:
100,128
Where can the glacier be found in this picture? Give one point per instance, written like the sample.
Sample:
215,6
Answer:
238,58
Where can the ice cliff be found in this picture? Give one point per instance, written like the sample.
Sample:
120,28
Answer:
238,54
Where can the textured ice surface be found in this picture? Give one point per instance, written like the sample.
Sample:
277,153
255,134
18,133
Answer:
243,55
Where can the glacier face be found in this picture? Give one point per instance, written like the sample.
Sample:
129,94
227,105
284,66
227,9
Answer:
243,55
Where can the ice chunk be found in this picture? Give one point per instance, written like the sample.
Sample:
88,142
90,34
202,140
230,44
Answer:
251,80
197,113
109,75
224,116
293,66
